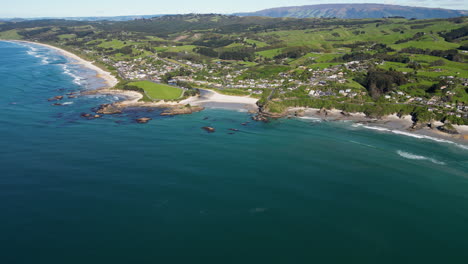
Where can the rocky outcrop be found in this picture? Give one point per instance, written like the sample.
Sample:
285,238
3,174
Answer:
260,117
322,111
56,98
209,129
143,120
417,126
344,113
448,128
181,110
299,113
109,109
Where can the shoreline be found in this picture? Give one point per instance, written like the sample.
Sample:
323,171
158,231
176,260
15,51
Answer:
216,100
109,79
133,97
207,97
390,123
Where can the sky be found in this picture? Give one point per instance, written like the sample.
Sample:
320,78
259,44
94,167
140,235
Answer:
64,8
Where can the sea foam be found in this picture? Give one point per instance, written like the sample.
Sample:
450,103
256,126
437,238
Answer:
313,119
76,79
408,134
411,156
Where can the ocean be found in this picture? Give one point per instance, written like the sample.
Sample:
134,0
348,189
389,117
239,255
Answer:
110,190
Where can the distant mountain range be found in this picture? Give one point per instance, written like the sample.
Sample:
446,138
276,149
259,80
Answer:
357,11
324,10
97,18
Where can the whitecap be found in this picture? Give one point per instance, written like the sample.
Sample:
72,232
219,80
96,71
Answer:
76,79
313,119
408,134
67,103
411,156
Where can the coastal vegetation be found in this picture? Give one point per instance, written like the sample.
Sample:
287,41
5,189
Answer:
155,91
376,66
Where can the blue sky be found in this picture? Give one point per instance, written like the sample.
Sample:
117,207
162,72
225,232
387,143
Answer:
62,8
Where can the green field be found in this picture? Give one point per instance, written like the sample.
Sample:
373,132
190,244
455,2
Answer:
158,91
10,34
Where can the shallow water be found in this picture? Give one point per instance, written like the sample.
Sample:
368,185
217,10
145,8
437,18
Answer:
110,190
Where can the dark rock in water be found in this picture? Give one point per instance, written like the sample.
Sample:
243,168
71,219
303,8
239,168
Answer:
244,124
234,129
448,128
143,120
206,118
57,104
260,117
231,133
85,115
56,98
72,96
109,109
209,129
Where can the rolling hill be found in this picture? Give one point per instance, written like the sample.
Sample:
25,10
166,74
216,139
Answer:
357,11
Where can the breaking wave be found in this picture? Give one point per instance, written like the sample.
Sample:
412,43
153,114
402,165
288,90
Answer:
408,134
313,119
411,156
76,79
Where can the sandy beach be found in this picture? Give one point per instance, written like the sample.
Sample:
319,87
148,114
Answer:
110,79
214,99
209,98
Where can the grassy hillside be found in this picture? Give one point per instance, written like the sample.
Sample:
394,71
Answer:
157,91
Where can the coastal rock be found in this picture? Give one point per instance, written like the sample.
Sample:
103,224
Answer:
299,113
260,117
417,126
181,110
209,129
97,116
109,109
72,96
322,111
234,129
55,98
143,120
57,104
85,115
344,113
448,128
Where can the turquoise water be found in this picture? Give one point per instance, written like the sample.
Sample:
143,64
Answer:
291,191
